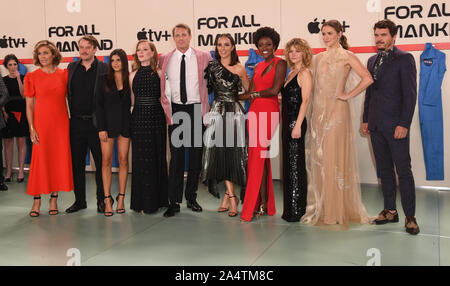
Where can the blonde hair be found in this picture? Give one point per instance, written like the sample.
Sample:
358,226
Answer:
55,52
303,47
153,60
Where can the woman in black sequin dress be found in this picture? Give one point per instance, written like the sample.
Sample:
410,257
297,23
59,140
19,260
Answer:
148,133
225,140
295,101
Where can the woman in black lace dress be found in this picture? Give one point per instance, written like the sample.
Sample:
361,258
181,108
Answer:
226,149
295,100
148,133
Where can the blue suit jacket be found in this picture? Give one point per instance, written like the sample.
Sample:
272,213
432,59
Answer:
390,101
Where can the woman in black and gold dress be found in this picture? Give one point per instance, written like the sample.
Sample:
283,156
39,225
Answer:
148,133
225,140
295,100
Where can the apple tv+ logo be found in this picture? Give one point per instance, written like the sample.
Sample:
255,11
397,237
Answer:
9,42
313,27
153,35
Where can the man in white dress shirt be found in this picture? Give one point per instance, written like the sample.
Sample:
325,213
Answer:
183,70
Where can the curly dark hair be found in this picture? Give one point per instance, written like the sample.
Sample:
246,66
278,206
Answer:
268,32
9,58
386,24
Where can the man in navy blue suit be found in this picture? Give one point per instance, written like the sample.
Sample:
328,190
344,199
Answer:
388,110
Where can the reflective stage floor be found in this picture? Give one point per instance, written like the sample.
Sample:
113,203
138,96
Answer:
211,238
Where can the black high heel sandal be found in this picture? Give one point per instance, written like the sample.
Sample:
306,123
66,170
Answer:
20,180
120,211
8,180
112,203
35,213
53,212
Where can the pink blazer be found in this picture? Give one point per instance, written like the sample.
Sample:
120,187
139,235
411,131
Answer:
203,59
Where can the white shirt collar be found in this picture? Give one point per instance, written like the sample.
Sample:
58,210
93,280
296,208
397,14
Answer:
188,53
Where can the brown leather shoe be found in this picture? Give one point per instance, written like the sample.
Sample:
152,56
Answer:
411,225
386,216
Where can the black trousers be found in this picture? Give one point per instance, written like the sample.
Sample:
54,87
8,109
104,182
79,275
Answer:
83,134
389,152
185,135
2,178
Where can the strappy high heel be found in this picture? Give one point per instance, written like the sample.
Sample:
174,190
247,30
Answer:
231,213
120,211
112,203
53,212
35,213
223,209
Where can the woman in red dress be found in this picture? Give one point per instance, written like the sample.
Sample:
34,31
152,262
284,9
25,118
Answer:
51,162
263,117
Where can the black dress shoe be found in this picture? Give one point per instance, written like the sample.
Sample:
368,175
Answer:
411,230
8,180
3,187
385,216
194,206
76,207
20,180
171,210
212,188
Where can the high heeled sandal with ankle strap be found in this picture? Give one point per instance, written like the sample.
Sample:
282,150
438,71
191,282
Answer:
112,203
231,213
35,213
222,209
53,212
120,211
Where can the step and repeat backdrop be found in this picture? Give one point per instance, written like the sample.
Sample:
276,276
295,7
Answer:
121,23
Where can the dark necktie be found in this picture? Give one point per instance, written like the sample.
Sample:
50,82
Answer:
382,57
183,95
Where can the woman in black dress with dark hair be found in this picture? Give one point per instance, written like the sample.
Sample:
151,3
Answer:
148,133
295,100
226,159
113,121
15,116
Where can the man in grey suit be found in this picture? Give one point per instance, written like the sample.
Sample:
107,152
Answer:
388,110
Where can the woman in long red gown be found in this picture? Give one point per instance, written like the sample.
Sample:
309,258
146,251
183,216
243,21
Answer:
51,161
263,118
